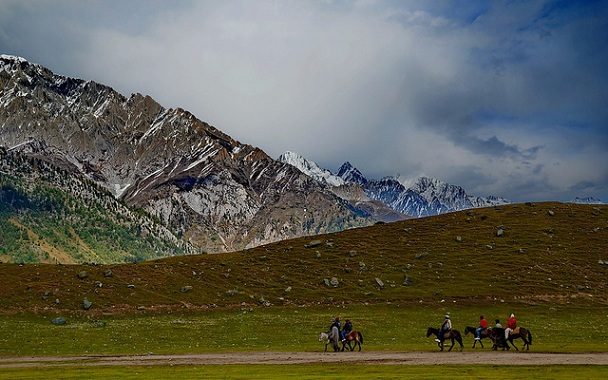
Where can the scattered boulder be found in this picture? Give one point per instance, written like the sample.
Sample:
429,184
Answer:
82,275
186,289
489,247
379,283
459,239
550,212
407,281
334,282
86,304
59,321
317,254
421,255
352,253
326,281
107,273
362,266
313,244
500,232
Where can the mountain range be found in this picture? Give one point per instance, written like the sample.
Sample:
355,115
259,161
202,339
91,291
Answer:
422,196
191,182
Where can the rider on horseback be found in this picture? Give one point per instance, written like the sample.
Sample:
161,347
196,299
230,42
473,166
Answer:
348,327
445,327
483,325
335,322
511,325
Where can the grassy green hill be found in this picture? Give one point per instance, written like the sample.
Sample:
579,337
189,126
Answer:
523,253
51,216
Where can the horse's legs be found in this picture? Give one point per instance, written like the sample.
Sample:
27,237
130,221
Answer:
510,340
452,346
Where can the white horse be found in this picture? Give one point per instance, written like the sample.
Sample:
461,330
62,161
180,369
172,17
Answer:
333,337
324,338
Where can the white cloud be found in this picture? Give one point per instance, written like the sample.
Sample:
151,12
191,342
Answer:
469,93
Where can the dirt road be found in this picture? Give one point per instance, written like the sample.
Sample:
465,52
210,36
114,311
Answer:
365,357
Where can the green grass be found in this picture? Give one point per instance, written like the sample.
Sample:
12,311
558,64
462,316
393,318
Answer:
308,372
545,269
384,327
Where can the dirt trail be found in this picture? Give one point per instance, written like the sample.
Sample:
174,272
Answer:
369,357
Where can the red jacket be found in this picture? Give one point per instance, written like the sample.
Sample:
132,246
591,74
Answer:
483,323
512,323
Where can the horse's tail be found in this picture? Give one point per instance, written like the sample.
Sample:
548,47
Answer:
529,337
361,337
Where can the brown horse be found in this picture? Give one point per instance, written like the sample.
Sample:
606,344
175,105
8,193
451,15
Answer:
486,333
452,335
353,336
498,337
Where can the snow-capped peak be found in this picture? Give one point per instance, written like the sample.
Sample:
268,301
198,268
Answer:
310,168
8,57
349,173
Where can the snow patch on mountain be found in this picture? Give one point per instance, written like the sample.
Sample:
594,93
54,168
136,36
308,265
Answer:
311,169
349,173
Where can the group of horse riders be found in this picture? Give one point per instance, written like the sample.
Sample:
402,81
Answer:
348,328
446,327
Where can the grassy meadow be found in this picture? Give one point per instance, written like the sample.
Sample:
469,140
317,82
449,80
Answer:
544,262
310,372
384,327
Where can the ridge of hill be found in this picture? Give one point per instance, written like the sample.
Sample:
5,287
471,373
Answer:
526,253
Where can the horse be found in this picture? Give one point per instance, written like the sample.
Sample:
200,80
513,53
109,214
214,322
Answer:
486,333
498,336
353,336
324,338
333,338
452,335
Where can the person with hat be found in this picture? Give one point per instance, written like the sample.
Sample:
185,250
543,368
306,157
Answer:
446,327
511,325
335,322
348,328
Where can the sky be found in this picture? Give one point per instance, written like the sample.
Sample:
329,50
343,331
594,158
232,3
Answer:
505,98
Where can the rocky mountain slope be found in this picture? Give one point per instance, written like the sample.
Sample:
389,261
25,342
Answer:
213,191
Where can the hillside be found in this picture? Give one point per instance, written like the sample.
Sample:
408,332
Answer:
526,253
214,192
